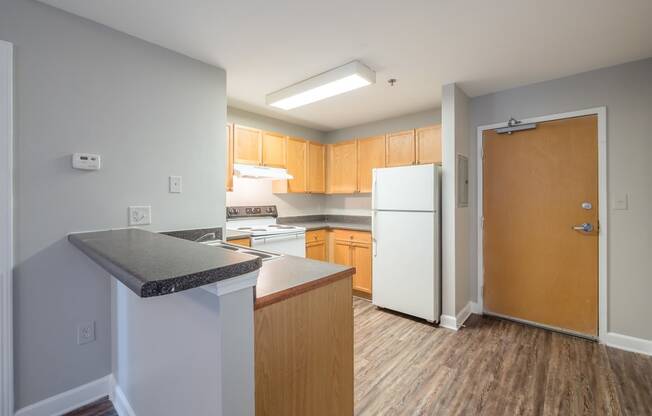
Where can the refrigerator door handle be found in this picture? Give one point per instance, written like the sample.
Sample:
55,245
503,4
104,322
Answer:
374,246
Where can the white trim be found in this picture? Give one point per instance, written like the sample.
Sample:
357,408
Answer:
447,321
463,315
6,230
234,284
601,112
120,402
69,400
627,343
456,322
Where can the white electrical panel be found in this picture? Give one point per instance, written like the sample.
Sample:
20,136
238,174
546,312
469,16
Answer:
86,161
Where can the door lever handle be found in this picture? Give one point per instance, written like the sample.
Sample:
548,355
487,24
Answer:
586,227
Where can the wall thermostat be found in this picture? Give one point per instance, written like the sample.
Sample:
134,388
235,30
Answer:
85,161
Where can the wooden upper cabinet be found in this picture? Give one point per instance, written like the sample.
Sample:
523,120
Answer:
400,148
247,145
429,144
316,168
371,154
342,167
229,157
274,150
297,160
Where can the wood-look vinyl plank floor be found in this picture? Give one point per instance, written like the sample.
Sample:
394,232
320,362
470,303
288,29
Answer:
490,367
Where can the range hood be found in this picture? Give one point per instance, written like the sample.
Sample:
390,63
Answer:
260,172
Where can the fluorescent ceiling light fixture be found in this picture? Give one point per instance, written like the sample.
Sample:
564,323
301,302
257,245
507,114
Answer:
336,81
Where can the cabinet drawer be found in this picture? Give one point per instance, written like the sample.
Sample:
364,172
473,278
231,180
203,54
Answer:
354,236
240,242
316,235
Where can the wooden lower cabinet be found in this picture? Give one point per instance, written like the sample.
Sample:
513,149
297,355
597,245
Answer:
241,242
353,248
361,260
317,245
304,353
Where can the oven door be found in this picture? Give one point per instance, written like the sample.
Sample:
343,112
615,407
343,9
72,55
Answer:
292,244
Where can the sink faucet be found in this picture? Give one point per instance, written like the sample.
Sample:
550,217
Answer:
206,237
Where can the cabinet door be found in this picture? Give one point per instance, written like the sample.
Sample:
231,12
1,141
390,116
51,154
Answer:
297,164
229,157
274,150
401,148
247,145
342,169
429,144
342,253
316,168
317,250
361,260
371,154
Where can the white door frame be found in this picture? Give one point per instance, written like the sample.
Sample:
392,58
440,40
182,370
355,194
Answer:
6,229
601,112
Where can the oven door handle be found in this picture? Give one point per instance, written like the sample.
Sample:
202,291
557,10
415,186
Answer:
275,238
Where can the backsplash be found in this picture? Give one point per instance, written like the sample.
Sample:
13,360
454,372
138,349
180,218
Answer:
259,192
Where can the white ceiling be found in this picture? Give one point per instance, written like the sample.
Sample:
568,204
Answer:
485,46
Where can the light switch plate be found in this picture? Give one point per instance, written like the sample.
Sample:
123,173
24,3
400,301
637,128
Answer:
140,215
175,184
621,202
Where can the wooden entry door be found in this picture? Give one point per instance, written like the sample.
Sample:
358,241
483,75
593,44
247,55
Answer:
537,186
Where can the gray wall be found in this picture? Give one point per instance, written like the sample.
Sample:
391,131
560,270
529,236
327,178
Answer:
151,113
238,116
405,122
626,91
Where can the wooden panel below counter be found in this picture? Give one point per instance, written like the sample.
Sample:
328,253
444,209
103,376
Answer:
304,353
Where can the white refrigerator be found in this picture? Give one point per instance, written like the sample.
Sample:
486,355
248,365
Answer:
406,240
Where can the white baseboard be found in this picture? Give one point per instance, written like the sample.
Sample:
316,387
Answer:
120,402
463,315
456,322
447,321
69,400
627,343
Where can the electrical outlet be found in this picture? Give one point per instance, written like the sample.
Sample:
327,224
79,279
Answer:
175,184
86,332
140,215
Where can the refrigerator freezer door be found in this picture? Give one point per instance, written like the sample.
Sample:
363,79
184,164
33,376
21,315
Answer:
406,263
405,188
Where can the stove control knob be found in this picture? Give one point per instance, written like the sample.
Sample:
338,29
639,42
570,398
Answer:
256,210
269,210
248,210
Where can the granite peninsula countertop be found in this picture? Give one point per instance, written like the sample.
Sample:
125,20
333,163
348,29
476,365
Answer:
153,264
319,222
288,276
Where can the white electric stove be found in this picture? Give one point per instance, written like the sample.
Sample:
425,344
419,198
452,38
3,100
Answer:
266,234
